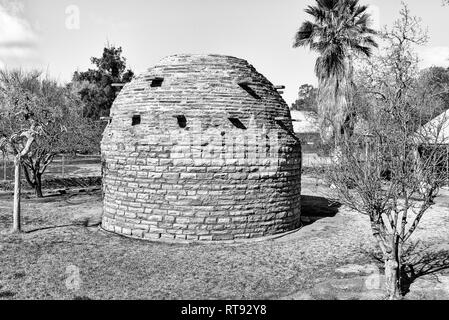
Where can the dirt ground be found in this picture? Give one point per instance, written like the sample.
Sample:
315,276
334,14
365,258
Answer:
63,255
72,168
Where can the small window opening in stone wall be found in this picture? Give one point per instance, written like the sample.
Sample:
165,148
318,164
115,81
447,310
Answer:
245,85
237,123
157,82
182,121
136,119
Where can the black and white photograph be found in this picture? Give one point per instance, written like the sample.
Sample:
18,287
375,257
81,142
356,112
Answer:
249,151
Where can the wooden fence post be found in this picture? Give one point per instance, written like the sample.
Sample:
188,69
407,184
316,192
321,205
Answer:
4,167
16,212
63,169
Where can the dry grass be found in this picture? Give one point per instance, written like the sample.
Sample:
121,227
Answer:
62,232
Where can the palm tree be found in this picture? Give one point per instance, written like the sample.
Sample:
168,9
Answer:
339,31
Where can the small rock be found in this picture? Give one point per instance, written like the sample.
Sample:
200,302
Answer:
356,288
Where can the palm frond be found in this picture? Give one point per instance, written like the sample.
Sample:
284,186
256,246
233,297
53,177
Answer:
317,13
304,36
328,4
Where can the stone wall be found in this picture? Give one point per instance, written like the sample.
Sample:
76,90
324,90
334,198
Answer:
208,157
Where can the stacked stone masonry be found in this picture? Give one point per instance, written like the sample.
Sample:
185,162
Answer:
200,148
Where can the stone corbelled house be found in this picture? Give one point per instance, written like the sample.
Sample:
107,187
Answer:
200,148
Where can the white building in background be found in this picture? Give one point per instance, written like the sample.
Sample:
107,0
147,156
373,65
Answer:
437,130
305,122
436,133
305,126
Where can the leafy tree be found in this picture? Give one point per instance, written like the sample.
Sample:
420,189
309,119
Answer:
307,99
19,142
339,32
94,85
433,82
30,101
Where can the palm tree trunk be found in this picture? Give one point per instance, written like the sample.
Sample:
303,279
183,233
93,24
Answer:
348,109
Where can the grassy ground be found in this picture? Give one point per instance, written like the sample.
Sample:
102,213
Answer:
62,238
73,167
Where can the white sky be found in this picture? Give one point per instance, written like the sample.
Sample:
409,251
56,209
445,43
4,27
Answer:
44,34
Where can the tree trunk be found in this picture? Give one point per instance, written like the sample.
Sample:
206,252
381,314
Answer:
391,279
38,185
393,270
391,257
16,212
30,136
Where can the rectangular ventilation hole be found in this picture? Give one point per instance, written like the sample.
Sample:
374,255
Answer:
136,119
182,121
237,123
245,85
157,82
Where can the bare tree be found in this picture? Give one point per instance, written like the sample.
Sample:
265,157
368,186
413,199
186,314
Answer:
391,169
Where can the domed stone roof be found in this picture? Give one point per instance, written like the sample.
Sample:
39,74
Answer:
201,147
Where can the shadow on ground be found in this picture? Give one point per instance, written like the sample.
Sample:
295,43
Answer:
316,208
422,261
422,268
37,214
73,198
85,223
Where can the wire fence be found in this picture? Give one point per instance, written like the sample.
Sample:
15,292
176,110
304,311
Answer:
63,166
